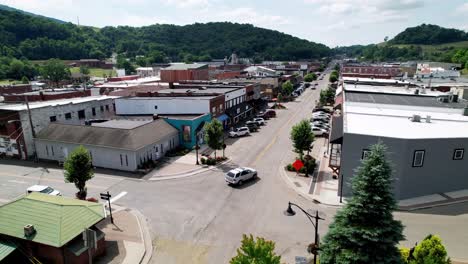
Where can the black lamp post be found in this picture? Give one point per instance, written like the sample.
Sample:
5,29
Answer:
197,147
315,247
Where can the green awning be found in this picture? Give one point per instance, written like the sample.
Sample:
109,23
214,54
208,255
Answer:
6,248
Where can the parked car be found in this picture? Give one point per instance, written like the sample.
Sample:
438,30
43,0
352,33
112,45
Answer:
239,132
320,118
295,94
252,125
320,125
260,121
43,189
319,131
270,113
321,114
239,175
321,109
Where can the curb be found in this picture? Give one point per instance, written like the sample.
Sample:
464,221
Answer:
291,185
427,206
186,173
145,235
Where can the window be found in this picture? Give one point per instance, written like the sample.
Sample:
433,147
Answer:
155,107
81,114
107,107
53,118
213,109
121,161
418,158
365,154
52,148
458,154
102,108
47,150
126,159
220,107
68,116
93,110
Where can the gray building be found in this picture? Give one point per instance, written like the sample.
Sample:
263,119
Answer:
426,137
116,144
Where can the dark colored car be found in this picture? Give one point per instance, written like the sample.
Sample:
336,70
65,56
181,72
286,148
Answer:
321,109
253,126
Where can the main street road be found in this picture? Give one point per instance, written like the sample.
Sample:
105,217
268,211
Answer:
200,219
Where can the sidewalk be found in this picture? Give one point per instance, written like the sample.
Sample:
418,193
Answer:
127,240
181,167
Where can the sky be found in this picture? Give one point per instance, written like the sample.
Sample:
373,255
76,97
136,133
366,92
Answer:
331,22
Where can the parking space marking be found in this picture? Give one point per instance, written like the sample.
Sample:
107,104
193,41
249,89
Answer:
118,196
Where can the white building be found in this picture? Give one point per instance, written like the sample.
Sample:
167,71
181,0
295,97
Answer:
146,72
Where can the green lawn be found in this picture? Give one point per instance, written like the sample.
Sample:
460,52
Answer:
6,82
96,72
464,72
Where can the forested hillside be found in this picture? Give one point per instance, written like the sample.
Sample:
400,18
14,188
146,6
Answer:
34,38
429,35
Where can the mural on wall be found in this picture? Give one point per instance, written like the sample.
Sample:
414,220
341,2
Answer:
187,134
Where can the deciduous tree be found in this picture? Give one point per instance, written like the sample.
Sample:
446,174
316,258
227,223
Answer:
287,88
364,230
302,137
55,71
256,251
214,133
78,169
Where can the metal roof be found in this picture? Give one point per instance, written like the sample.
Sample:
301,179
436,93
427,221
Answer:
129,139
56,219
184,66
6,247
399,99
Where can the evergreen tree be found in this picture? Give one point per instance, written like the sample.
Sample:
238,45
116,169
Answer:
259,251
364,230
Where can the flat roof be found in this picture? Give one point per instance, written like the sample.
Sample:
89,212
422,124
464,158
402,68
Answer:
34,105
198,91
396,123
183,117
122,123
399,99
184,66
169,98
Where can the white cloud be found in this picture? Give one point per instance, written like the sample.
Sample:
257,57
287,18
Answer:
251,16
188,3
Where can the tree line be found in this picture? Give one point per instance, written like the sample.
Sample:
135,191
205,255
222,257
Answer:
39,38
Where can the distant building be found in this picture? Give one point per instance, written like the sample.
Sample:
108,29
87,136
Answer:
426,70
146,72
260,71
115,144
371,71
15,89
49,229
181,71
46,95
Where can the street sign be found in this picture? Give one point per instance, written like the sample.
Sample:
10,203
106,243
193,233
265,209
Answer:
298,164
105,196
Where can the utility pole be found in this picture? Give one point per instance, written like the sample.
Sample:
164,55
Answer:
33,132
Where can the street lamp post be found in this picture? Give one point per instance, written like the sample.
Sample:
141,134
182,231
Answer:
196,148
315,223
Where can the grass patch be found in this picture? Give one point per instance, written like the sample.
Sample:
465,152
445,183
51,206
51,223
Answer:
464,72
96,72
8,82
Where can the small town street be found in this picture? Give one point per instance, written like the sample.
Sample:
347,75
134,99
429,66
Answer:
200,219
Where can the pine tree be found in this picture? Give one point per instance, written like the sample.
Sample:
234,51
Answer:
364,231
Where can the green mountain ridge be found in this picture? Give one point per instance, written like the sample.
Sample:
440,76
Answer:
8,8
38,38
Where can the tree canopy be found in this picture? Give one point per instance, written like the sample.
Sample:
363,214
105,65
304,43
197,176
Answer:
38,38
78,169
302,137
429,34
364,230
287,88
214,134
256,251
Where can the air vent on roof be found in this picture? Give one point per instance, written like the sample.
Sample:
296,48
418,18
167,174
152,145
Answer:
29,230
416,118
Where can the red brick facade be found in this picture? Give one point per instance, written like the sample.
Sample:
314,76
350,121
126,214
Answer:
15,89
45,96
381,72
179,75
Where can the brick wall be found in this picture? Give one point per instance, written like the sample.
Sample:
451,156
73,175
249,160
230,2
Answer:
15,89
45,96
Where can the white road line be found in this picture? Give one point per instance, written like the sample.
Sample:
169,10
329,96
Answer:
15,181
118,196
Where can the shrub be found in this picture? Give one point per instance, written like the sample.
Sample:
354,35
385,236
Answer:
203,161
289,167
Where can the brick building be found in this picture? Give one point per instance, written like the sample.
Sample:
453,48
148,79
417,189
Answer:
182,71
371,71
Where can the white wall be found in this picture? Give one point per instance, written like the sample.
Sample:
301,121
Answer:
234,94
147,106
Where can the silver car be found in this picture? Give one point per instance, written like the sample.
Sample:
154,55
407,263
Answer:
239,175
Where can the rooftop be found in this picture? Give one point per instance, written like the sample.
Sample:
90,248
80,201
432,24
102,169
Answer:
184,66
190,98
396,123
34,105
56,219
406,99
182,117
200,90
122,124
117,136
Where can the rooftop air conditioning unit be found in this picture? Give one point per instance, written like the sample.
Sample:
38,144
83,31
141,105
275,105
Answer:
29,230
416,118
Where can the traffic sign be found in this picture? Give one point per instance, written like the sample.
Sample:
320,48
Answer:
298,164
105,196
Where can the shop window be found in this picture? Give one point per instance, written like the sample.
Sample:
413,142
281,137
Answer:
418,158
53,118
458,154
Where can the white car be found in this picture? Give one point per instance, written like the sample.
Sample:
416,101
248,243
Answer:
260,121
320,125
319,131
320,118
43,189
239,175
239,132
320,114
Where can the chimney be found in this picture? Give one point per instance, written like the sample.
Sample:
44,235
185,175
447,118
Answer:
29,230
